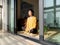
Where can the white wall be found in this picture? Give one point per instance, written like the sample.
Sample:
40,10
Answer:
0,2
4,16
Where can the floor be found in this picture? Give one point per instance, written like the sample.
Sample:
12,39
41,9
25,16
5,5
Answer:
36,36
53,36
10,39
49,34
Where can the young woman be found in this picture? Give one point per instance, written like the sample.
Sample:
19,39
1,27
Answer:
31,22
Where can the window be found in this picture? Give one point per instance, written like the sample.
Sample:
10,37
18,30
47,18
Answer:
57,2
49,17
11,16
58,16
48,3
52,21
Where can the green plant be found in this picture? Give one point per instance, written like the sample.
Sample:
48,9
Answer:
45,28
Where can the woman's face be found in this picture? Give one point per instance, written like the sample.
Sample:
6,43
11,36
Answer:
29,13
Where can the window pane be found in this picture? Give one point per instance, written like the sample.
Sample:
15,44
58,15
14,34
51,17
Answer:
57,2
11,15
52,22
49,17
58,16
48,3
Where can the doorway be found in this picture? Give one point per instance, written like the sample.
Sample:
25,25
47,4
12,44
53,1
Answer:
21,23
25,6
24,9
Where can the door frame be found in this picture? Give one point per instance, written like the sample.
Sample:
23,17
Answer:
1,16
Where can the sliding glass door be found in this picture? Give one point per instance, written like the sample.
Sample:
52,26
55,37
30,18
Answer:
52,20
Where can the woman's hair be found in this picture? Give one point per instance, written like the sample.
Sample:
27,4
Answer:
31,11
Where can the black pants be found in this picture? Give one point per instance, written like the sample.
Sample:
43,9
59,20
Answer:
34,31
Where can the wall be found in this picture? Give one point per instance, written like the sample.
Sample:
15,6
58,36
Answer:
4,15
35,3
18,9
0,2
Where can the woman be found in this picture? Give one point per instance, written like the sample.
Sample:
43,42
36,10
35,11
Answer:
31,22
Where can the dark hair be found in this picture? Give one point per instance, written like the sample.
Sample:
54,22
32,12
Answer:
31,11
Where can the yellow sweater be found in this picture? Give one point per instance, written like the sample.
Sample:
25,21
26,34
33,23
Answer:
31,23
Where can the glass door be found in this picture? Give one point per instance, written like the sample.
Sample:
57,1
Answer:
11,16
52,21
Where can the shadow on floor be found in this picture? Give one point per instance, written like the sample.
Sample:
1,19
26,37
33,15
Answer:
37,41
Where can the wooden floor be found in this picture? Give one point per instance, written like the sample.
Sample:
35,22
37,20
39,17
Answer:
10,39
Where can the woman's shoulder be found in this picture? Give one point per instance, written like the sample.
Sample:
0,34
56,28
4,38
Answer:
34,16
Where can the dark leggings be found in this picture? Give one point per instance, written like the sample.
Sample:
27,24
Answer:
34,31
